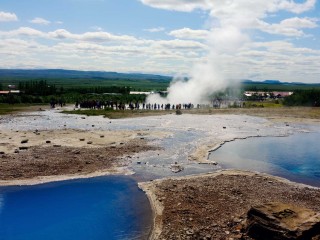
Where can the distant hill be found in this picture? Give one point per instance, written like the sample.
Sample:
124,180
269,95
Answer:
74,74
276,85
276,82
138,81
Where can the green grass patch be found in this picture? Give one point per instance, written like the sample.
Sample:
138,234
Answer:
266,104
13,108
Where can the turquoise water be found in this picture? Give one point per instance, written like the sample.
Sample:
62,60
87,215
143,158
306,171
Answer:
295,157
111,207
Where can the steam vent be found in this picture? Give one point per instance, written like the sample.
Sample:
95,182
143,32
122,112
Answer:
282,221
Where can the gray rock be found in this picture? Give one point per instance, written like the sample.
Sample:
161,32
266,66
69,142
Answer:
283,222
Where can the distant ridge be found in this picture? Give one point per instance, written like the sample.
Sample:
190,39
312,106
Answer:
75,74
277,82
102,75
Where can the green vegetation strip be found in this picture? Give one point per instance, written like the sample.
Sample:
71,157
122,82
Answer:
14,108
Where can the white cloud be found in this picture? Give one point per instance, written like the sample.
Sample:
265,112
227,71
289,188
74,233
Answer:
40,21
294,7
288,27
187,33
157,29
178,5
8,17
89,36
220,7
179,44
23,31
237,56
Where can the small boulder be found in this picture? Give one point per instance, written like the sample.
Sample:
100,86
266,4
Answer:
282,221
23,148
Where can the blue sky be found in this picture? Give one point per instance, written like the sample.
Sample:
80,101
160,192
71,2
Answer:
252,39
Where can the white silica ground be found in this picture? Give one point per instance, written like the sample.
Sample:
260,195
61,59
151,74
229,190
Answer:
184,135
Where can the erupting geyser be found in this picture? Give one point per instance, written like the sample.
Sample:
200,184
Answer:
231,21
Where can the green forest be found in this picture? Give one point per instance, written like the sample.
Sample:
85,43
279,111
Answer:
45,86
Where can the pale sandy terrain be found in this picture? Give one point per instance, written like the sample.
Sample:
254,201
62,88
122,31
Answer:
11,140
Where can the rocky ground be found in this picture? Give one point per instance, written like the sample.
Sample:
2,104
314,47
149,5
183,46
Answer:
55,159
215,206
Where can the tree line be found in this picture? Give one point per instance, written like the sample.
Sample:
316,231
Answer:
309,98
42,92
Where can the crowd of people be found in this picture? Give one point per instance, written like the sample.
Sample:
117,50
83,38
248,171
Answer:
95,104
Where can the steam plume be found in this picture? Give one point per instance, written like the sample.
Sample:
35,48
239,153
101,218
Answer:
231,20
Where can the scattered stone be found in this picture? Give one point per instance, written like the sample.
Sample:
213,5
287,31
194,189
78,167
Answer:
101,136
2,152
24,140
176,168
209,163
23,148
282,221
81,139
76,152
89,142
48,141
83,118
224,127
189,232
57,145
92,125
16,151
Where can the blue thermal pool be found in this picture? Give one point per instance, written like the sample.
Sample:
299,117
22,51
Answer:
111,207
296,157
